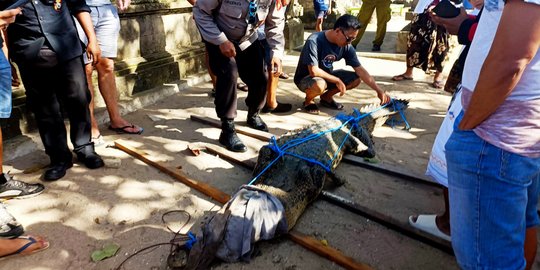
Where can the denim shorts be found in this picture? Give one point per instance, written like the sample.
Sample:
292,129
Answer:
5,86
345,76
493,200
107,26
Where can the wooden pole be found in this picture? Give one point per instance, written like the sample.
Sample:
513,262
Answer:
216,194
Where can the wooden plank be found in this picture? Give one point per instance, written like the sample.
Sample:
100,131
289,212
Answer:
204,188
226,155
307,242
326,251
257,134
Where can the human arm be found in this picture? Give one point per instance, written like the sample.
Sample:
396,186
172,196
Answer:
92,49
7,17
192,2
273,28
203,14
505,61
464,25
370,81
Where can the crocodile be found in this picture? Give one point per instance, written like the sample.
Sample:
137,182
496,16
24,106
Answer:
290,173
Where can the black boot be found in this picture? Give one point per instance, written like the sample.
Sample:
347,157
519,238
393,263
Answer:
255,121
229,138
87,155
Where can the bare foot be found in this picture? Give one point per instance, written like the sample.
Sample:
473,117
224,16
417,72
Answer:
11,246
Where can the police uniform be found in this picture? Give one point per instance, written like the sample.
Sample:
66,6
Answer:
43,41
222,20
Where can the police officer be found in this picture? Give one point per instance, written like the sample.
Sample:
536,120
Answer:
43,42
228,28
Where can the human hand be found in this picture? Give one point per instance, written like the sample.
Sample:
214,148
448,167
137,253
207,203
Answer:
93,52
383,97
227,49
7,17
123,4
341,87
277,67
451,24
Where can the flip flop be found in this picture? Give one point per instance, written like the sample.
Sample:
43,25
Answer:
332,104
280,108
122,130
426,223
401,77
31,241
438,84
312,108
242,87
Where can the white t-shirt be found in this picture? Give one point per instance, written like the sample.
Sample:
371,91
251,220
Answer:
515,125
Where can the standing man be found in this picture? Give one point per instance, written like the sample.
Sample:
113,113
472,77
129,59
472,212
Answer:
107,28
383,16
229,31
315,73
493,154
43,41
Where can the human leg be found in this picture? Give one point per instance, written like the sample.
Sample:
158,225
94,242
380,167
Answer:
74,92
225,101
488,190
22,245
253,71
107,88
107,26
349,78
319,21
364,16
272,105
39,79
438,55
383,16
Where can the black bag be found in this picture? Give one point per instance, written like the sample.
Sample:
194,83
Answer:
445,9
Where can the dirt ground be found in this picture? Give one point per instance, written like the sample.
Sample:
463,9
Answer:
125,202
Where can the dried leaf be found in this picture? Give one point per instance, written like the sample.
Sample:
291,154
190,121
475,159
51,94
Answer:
194,150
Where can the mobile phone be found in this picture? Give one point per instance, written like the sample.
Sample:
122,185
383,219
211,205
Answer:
445,9
18,3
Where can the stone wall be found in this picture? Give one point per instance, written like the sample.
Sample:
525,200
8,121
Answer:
159,43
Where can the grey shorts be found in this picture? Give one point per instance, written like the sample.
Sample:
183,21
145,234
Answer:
107,26
320,14
345,76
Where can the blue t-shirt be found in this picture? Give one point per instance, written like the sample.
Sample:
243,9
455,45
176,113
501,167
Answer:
318,51
320,5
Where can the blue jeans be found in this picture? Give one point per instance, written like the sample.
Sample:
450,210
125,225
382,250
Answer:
5,86
493,199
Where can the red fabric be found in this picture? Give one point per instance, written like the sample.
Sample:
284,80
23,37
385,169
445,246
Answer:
472,31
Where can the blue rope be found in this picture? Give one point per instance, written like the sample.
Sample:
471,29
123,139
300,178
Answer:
192,240
345,119
402,114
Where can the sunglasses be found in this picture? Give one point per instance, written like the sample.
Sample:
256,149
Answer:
252,15
347,38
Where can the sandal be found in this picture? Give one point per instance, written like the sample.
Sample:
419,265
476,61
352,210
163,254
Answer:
312,108
280,108
401,77
123,130
438,84
332,104
31,241
242,87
